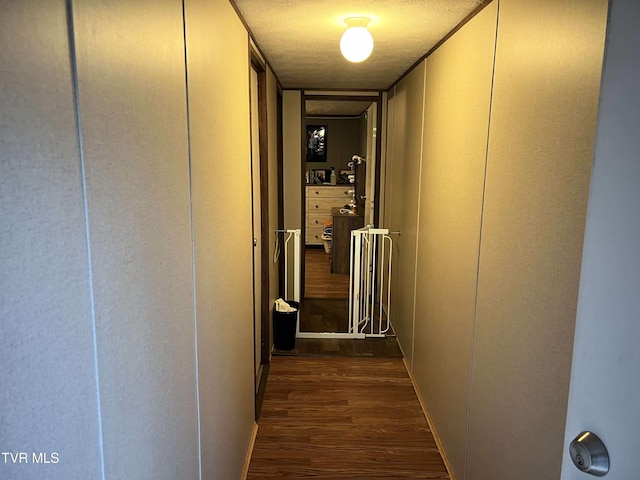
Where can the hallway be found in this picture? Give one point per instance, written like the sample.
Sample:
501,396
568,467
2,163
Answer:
506,163
343,418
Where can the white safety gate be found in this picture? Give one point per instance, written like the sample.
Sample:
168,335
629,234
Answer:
291,236
369,282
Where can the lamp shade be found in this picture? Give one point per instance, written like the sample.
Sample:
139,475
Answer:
356,43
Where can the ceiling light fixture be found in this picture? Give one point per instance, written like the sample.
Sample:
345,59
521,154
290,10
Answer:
356,43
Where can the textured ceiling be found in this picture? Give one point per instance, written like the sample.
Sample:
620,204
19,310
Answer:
335,108
300,38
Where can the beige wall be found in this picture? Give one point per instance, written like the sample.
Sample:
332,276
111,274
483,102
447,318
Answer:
134,143
292,151
456,115
47,346
127,255
217,48
541,140
501,354
404,152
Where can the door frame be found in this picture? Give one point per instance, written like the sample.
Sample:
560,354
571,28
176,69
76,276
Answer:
259,66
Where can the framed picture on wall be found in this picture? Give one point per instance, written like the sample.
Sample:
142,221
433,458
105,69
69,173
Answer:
316,143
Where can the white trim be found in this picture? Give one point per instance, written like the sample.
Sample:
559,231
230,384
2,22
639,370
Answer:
330,335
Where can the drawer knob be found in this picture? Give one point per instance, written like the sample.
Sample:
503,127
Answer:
317,206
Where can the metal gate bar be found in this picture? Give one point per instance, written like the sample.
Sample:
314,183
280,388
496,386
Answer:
369,282
288,236
370,279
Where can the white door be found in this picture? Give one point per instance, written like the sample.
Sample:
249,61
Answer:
605,380
257,238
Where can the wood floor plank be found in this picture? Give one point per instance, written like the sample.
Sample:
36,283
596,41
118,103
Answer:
343,418
319,281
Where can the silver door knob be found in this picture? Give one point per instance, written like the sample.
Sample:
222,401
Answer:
589,454
255,242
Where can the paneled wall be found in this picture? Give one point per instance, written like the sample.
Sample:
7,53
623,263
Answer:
456,118
539,159
221,189
292,143
46,322
134,134
489,329
126,239
404,151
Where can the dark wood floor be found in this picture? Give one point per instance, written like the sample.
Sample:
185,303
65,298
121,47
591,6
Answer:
369,347
324,315
319,281
335,418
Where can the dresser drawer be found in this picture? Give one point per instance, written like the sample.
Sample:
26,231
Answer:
330,192
323,206
314,235
316,220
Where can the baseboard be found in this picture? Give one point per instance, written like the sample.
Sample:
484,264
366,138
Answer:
262,388
247,460
426,415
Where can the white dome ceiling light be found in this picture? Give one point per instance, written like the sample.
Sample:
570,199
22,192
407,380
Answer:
356,43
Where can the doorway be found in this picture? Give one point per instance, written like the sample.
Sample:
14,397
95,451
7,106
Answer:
349,125
322,312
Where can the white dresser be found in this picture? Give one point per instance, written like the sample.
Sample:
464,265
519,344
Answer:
320,200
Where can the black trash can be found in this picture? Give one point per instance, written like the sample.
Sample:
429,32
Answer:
284,327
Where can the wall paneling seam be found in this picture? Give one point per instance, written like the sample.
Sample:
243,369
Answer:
73,63
193,241
484,189
415,265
